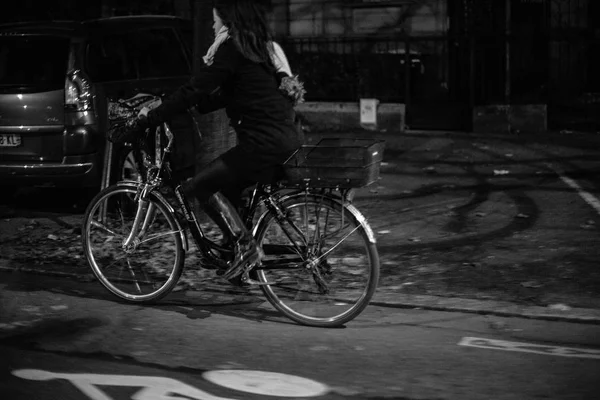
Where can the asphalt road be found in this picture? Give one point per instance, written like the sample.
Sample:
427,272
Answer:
67,328
477,207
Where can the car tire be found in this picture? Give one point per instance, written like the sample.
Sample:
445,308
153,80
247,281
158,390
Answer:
125,168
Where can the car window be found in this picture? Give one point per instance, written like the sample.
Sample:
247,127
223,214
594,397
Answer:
39,61
187,32
142,54
157,53
108,59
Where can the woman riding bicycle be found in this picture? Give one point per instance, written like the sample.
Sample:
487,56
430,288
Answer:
242,74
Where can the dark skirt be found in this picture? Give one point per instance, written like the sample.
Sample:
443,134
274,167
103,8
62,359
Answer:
256,166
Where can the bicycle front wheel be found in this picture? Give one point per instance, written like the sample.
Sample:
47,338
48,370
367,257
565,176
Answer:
149,266
321,261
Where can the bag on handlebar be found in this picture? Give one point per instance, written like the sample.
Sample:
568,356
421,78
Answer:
126,131
124,124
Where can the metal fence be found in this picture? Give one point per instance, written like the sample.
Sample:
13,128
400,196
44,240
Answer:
574,82
391,69
560,69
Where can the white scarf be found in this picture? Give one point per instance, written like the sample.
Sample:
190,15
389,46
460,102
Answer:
277,55
222,36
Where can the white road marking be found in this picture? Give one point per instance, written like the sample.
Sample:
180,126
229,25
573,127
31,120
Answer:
529,348
161,388
266,383
151,387
586,196
19,324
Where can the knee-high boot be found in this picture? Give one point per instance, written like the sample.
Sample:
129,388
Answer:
216,216
247,252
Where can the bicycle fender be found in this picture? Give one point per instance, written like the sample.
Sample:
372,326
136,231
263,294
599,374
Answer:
362,220
164,202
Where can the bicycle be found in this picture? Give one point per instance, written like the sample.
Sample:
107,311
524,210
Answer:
321,265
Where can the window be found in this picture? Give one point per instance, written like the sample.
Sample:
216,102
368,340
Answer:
187,34
371,20
142,54
108,59
157,53
34,61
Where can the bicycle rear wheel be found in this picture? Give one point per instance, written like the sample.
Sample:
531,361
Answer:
150,267
321,261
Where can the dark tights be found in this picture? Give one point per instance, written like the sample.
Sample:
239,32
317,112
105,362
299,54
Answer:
217,176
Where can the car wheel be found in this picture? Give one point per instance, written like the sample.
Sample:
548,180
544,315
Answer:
127,169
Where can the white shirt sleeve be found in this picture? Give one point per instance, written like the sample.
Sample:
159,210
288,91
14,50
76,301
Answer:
280,60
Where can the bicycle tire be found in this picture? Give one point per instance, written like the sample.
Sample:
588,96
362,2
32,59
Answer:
350,271
111,212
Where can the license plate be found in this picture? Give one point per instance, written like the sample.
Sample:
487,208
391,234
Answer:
10,140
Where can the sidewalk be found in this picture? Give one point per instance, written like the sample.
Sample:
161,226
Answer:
461,221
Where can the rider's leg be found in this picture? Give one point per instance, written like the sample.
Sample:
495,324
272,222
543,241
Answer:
233,195
217,176
247,252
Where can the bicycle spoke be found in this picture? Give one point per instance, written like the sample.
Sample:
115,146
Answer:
103,227
132,272
114,263
298,232
158,236
322,256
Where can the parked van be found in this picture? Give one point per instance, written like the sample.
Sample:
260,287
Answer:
55,79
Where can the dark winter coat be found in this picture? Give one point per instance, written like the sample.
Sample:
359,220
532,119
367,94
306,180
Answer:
261,115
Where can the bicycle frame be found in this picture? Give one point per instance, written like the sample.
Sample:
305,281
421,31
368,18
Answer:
155,179
261,194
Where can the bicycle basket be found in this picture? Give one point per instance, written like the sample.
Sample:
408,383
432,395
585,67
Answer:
336,162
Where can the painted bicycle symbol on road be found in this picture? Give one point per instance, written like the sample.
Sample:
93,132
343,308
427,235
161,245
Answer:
162,388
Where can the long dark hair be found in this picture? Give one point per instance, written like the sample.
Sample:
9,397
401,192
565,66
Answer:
248,27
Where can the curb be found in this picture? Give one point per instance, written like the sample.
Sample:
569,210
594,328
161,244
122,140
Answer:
487,307
421,302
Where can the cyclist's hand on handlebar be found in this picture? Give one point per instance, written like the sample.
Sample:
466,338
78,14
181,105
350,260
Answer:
138,126
146,117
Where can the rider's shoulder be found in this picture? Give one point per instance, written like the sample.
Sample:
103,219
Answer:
228,49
